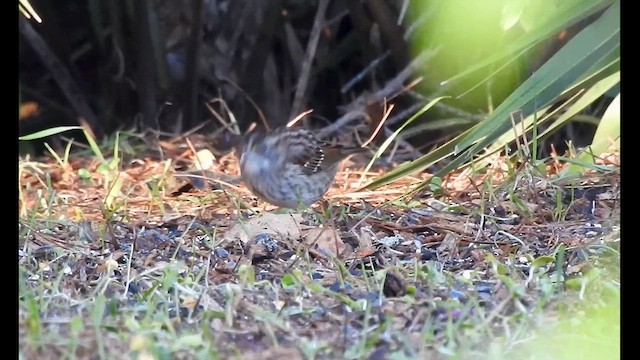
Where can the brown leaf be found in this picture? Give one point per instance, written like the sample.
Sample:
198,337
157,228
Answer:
276,225
327,239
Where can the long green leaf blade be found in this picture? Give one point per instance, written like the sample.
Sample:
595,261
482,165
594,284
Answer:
564,68
48,132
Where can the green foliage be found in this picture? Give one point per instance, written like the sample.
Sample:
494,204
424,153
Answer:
583,70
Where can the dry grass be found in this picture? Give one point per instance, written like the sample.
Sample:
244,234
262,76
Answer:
136,260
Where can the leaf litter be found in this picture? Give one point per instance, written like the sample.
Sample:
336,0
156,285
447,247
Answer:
352,275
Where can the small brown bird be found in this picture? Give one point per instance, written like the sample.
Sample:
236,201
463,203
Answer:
290,167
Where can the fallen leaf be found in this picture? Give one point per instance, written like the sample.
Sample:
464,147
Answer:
276,225
327,239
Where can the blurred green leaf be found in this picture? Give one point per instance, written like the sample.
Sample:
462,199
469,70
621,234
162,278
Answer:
570,63
606,138
511,13
608,133
187,341
288,280
566,15
537,13
541,261
575,63
593,333
97,313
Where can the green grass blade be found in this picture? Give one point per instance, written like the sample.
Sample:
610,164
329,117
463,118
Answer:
414,166
571,107
389,140
48,132
55,156
588,98
94,146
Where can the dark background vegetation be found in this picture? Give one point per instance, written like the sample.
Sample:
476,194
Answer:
157,64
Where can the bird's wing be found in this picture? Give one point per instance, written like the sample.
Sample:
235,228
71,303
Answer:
302,148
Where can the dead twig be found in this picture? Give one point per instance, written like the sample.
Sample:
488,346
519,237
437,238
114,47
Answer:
310,54
60,73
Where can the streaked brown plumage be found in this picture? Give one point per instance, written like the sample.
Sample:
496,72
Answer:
289,167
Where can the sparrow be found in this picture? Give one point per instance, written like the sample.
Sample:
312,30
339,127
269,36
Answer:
290,167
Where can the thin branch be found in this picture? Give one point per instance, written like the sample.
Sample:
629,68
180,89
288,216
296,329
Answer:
342,121
359,76
312,45
60,73
192,74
